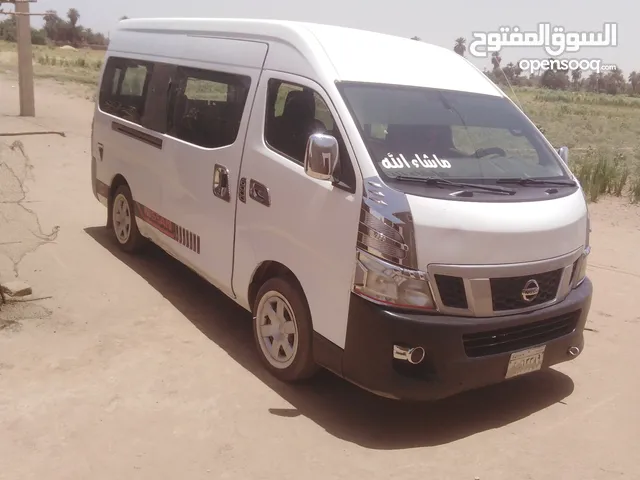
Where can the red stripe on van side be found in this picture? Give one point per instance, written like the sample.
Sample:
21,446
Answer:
156,220
170,229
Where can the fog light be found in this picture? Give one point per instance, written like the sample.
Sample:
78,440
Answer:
574,351
412,355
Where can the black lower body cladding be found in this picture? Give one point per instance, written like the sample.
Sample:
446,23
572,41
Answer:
461,353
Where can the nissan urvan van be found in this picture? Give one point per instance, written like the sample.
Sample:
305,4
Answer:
378,204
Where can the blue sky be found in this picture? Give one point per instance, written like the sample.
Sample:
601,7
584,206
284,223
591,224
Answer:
435,22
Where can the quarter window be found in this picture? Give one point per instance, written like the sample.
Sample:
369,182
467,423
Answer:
124,89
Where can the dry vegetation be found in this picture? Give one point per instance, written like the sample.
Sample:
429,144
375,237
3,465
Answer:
81,66
600,130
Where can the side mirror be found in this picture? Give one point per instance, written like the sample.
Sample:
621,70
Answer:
564,154
321,156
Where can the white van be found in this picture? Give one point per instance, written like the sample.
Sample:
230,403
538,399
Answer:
377,203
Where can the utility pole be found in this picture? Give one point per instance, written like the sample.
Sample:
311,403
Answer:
25,56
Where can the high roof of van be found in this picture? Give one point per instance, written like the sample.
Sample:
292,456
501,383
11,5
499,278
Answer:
334,53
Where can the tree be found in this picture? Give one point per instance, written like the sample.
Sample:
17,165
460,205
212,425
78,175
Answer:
555,78
53,25
73,34
576,76
634,82
8,29
614,82
38,37
512,73
73,16
495,60
491,76
595,82
55,30
460,47
99,39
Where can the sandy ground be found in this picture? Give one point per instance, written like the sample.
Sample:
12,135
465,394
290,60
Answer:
134,368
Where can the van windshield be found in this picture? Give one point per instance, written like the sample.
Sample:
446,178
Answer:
420,132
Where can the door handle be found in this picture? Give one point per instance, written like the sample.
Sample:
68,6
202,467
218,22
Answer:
259,193
221,182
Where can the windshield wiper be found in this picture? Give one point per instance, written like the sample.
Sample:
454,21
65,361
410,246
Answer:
535,181
442,181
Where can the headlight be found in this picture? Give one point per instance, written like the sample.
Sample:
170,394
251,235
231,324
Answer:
587,242
580,269
388,284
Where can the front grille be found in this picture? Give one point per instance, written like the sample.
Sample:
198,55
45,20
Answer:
520,337
452,292
506,293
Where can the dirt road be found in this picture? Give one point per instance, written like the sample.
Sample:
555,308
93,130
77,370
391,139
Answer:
134,368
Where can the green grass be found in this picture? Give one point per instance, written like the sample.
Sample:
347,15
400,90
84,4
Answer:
601,131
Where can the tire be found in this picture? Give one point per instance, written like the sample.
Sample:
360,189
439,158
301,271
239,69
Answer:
288,354
123,221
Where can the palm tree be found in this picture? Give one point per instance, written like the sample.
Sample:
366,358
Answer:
73,16
576,76
460,47
495,60
634,82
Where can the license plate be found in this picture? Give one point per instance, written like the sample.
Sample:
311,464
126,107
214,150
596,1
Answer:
526,361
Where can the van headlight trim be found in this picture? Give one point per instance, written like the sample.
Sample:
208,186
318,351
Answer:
387,284
580,269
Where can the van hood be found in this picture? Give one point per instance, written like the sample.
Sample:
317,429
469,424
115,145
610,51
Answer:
470,233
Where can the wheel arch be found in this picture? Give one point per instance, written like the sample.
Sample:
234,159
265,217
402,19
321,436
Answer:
267,270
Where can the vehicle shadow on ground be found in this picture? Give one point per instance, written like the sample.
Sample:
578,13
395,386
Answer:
342,409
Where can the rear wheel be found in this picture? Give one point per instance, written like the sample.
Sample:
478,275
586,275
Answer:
123,221
283,330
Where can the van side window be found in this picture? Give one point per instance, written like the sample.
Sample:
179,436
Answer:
293,114
206,107
124,88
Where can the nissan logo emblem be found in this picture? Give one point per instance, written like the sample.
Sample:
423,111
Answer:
530,291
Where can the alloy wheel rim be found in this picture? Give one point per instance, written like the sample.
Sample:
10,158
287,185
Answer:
277,330
122,218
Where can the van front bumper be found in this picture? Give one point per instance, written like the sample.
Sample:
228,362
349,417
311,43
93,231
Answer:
461,352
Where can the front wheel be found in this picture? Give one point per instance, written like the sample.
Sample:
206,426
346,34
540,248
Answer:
283,330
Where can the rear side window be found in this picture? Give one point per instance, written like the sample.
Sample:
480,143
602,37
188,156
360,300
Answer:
206,107
124,88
